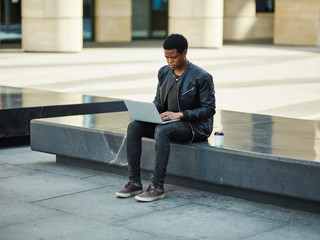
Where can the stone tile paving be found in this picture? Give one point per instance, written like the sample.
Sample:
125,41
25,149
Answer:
40,199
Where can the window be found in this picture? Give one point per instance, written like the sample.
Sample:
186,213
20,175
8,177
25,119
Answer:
88,16
10,21
149,18
264,5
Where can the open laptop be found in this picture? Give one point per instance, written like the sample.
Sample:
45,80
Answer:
145,112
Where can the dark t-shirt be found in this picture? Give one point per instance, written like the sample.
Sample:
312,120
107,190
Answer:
172,99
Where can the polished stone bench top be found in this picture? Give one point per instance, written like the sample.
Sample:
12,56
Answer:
276,137
12,97
18,106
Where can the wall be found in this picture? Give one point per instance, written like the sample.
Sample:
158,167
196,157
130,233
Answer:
201,22
113,20
242,23
297,22
52,25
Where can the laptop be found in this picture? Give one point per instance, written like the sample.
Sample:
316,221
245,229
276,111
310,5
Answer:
145,112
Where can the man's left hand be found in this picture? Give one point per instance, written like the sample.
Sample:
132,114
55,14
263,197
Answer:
171,115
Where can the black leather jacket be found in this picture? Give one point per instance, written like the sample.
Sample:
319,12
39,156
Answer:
196,98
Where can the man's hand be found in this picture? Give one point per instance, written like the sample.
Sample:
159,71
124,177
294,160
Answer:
171,115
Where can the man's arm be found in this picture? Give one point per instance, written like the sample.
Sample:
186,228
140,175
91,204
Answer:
207,105
157,100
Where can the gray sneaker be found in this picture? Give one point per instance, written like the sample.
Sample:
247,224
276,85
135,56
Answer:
151,194
130,189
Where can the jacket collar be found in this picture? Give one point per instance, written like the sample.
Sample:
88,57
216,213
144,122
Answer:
183,74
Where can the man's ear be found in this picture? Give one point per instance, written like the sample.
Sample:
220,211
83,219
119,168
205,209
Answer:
185,52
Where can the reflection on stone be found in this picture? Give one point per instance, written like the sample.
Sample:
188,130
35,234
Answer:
12,97
261,134
283,137
115,122
294,138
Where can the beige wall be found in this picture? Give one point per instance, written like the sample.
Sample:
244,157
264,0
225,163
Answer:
52,25
239,19
297,22
201,22
264,26
242,23
113,20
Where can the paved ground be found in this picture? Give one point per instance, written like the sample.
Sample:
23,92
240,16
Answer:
254,78
43,200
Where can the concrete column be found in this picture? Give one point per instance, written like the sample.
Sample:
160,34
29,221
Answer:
297,22
52,25
113,20
239,19
201,22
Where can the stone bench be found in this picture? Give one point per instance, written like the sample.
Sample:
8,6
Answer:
19,105
264,158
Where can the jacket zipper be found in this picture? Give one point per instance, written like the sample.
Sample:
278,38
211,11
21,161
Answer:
178,96
191,89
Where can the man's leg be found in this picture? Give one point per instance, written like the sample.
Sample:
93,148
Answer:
136,130
177,132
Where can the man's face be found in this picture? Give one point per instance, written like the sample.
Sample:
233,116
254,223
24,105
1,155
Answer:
175,60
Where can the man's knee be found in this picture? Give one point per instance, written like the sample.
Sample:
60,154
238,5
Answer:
160,132
133,128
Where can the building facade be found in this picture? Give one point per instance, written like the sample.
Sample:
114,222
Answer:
62,26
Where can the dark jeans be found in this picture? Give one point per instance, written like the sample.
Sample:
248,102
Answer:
179,132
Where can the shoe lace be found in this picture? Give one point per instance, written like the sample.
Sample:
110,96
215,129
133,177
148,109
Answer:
127,185
151,189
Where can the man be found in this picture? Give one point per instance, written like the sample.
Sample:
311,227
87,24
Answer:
184,92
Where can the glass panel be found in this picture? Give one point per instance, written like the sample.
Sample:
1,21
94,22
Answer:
88,16
160,5
10,20
141,16
159,18
264,5
149,18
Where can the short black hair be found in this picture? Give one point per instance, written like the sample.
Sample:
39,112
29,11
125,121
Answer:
175,41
